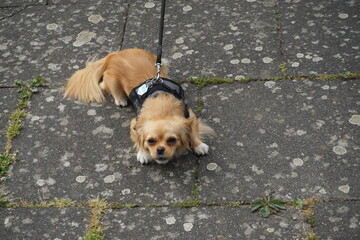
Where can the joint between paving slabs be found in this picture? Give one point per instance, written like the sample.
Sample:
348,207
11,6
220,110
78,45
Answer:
122,35
308,212
13,14
277,17
14,126
205,80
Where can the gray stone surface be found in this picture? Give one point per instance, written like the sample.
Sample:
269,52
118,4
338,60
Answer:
200,223
54,41
337,220
79,151
232,39
43,223
9,12
297,138
16,3
8,101
320,37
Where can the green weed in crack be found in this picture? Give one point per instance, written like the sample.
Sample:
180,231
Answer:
208,79
5,161
267,206
15,126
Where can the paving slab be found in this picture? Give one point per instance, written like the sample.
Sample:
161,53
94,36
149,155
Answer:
81,151
43,223
320,37
232,39
8,101
200,223
54,41
16,3
9,12
337,220
83,1
297,138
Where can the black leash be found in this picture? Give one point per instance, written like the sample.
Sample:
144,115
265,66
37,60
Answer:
161,33
151,87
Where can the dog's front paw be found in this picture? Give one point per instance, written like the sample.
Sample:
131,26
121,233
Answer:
143,157
202,149
121,102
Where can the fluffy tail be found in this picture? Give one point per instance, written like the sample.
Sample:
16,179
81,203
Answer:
205,131
84,84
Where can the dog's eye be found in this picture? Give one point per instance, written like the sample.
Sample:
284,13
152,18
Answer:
151,141
171,140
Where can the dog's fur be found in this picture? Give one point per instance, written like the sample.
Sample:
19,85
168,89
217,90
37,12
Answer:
161,130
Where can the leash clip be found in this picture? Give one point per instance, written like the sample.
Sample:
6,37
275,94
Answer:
158,66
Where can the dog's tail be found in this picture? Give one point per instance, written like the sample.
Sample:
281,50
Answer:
83,85
205,131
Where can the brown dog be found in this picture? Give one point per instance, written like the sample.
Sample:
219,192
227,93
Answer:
161,130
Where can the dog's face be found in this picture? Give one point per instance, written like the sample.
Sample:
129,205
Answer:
163,139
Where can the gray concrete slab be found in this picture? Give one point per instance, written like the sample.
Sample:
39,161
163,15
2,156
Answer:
9,12
320,37
200,223
337,220
297,138
79,151
16,3
8,101
60,2
234,39
54,41
43,223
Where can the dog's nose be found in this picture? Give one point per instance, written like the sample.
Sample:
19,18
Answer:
160,150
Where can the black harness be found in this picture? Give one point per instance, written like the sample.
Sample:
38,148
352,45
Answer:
152,87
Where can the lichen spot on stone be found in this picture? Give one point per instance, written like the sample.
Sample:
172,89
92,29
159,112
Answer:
339,150
170,220
95,18
298,162
355,119
83,37
211,166
149,5
187,8
52,26
344,188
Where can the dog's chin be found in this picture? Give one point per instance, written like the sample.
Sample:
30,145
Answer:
162,160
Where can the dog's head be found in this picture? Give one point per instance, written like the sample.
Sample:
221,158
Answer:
162,138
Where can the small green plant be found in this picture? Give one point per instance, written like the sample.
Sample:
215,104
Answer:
267,206
199,105
349,75
14,127
95,231
5,161
208,79
3,201
298,203
188,204
283,69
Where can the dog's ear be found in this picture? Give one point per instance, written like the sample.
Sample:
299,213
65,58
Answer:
185,133
136,135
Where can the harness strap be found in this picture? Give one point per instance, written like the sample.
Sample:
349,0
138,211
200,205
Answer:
151,89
